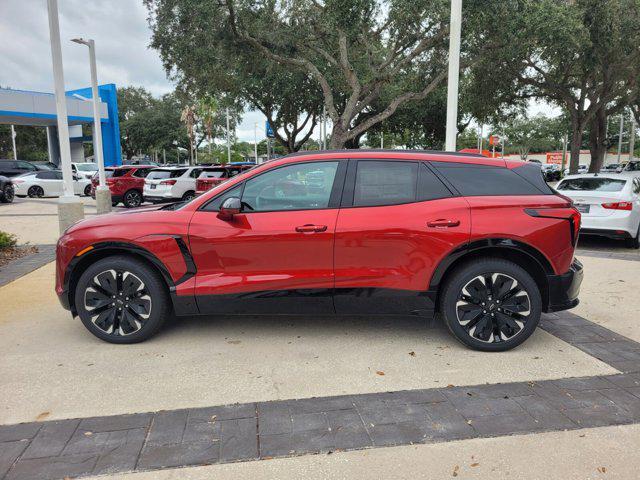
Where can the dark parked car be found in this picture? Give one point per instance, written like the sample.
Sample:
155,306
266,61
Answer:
12,168
483,241
6,190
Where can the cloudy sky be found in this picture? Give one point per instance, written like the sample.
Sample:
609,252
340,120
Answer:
122,36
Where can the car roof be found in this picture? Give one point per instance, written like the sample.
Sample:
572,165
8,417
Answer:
602,175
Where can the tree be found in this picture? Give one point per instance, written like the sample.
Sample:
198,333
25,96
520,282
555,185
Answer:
356,52
533,135
31,142
134,107
579,54
199,53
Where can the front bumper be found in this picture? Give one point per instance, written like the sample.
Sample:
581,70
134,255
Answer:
564,289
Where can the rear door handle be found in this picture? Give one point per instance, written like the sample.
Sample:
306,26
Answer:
443,223
309,228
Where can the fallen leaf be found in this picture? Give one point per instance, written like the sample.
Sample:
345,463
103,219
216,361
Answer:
42,416
450,385
602,469
455,470
469,422
413,354
379,372
88,434
475,464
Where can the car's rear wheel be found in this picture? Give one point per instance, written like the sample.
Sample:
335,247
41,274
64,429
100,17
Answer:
188,196
35,191
634,242
132,199
491,305
8,193
121,300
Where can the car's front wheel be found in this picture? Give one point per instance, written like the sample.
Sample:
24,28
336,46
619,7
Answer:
491,304
35,191
87,191
121,300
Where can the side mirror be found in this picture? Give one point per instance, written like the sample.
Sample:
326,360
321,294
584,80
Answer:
75,177
230,207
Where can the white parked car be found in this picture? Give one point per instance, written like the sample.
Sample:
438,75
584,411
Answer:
48,183
609,204
581,169
85,169
170,184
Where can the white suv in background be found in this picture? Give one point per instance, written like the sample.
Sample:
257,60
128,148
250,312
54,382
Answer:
169,184
85,169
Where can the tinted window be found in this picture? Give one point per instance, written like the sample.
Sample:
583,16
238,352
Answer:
303,186
25,166
385,183
429,185
118,172
214,205
162,174
592,184
475,180
141,172
47,175
533,174
195,173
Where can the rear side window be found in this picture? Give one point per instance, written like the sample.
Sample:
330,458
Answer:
385,183
593,184
429,186
478,180
119,172
47,175
220,173
141,172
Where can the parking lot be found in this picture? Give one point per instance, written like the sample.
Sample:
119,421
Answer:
232,390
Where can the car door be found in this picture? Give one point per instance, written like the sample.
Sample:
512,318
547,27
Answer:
277,254
397,221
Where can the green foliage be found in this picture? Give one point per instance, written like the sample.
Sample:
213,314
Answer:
31,142
7,240
533,135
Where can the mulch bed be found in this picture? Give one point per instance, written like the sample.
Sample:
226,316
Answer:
13,253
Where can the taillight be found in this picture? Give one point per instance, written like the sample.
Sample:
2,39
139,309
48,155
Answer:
168,182
571,214
618,205
17,181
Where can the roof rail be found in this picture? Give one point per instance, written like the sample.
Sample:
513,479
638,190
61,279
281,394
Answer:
385,150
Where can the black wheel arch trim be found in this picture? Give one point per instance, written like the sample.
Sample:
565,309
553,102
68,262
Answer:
101,249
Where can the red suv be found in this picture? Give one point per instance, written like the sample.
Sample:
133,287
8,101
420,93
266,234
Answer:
215,176
484,242
126,184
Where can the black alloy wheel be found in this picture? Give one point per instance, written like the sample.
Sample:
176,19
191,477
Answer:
8,194
132,199
491,305
35,191
121,300
87,190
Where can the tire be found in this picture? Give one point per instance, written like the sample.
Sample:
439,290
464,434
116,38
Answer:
132,198
634,242
121,281
188,196
477,316
87,191
35,192
8,194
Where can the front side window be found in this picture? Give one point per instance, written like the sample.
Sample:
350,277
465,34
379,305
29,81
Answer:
385,183
302,186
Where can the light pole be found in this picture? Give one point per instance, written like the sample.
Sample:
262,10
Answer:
175,142
13,142
455,30
632,137
255,141
228,139
70,208
620,136
103,194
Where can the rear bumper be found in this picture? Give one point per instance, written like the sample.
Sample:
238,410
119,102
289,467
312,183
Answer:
615,234
564,289
157,199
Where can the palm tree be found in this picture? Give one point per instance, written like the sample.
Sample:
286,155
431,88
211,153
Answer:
189,118
207,110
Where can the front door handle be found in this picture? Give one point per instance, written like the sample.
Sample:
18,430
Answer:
443,223
309,228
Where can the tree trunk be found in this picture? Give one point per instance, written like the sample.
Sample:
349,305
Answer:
339,137
597,140
576,143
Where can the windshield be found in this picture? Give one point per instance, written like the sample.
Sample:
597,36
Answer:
162,174
87,167
592,184
212,173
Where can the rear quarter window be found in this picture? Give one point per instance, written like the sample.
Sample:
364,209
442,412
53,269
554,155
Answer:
482,180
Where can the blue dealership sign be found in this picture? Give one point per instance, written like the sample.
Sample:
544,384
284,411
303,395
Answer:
268,130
